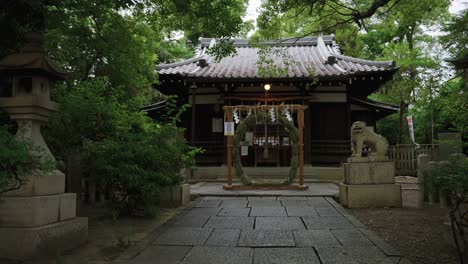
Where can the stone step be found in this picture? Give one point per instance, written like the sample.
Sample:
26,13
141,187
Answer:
313,173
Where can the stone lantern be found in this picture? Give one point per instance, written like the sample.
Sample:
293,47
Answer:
38,218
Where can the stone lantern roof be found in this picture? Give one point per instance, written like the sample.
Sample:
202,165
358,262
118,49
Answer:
33,58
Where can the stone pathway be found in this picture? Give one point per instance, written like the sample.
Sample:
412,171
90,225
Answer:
216,188
261,230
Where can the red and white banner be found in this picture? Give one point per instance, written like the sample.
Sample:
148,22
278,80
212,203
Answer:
411,128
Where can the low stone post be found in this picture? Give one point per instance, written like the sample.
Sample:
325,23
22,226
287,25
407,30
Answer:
422,163
431,167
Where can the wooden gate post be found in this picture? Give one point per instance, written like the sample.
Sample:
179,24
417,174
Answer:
229,118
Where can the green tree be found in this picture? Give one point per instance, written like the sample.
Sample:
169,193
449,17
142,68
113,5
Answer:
456,39
111,48
121,148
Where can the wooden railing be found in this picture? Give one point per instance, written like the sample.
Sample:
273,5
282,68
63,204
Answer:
405,156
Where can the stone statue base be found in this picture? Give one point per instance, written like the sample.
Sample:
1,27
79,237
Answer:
369,184
367,159
40,219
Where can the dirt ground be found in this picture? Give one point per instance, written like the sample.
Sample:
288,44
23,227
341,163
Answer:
107,238
421,235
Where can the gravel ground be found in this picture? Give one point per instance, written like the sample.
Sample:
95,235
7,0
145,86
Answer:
422,235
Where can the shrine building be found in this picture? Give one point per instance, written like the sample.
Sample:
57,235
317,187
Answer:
333,88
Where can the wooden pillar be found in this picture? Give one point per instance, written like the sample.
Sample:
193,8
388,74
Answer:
307,134
193,90
229,118
300,121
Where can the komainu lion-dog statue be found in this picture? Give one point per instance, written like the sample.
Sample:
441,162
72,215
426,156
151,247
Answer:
361,134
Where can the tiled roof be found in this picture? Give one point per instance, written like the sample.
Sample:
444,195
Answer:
300,56
375,104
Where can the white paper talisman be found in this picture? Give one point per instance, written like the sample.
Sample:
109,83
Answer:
244,150
229,128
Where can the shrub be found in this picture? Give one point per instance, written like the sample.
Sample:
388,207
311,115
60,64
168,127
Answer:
451,178
135,165
121,149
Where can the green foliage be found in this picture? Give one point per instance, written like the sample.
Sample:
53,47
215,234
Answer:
18,159
388,126
205,18
120,147
457,38
223,48
450,177
98,40
171,51
136,164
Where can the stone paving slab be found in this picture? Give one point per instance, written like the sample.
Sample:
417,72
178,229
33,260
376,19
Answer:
318,202
224,198
291,198
264,203
328,222
202,212
261,198
191,221
208,203
238,222
285,255
268,211
348,255
294,203
266,238
161,254
311,238
219,255
351,237
301,211
327,211
232,211
279,223
223,237
234,203
183,236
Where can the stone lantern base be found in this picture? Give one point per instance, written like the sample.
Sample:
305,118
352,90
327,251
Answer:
370,184
40,219
52,239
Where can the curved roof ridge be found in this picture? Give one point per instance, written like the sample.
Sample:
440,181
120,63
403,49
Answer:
292,41
386,64
182,63
322,48
368,101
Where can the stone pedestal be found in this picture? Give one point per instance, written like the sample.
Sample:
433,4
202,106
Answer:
40,219
175,196
370,184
